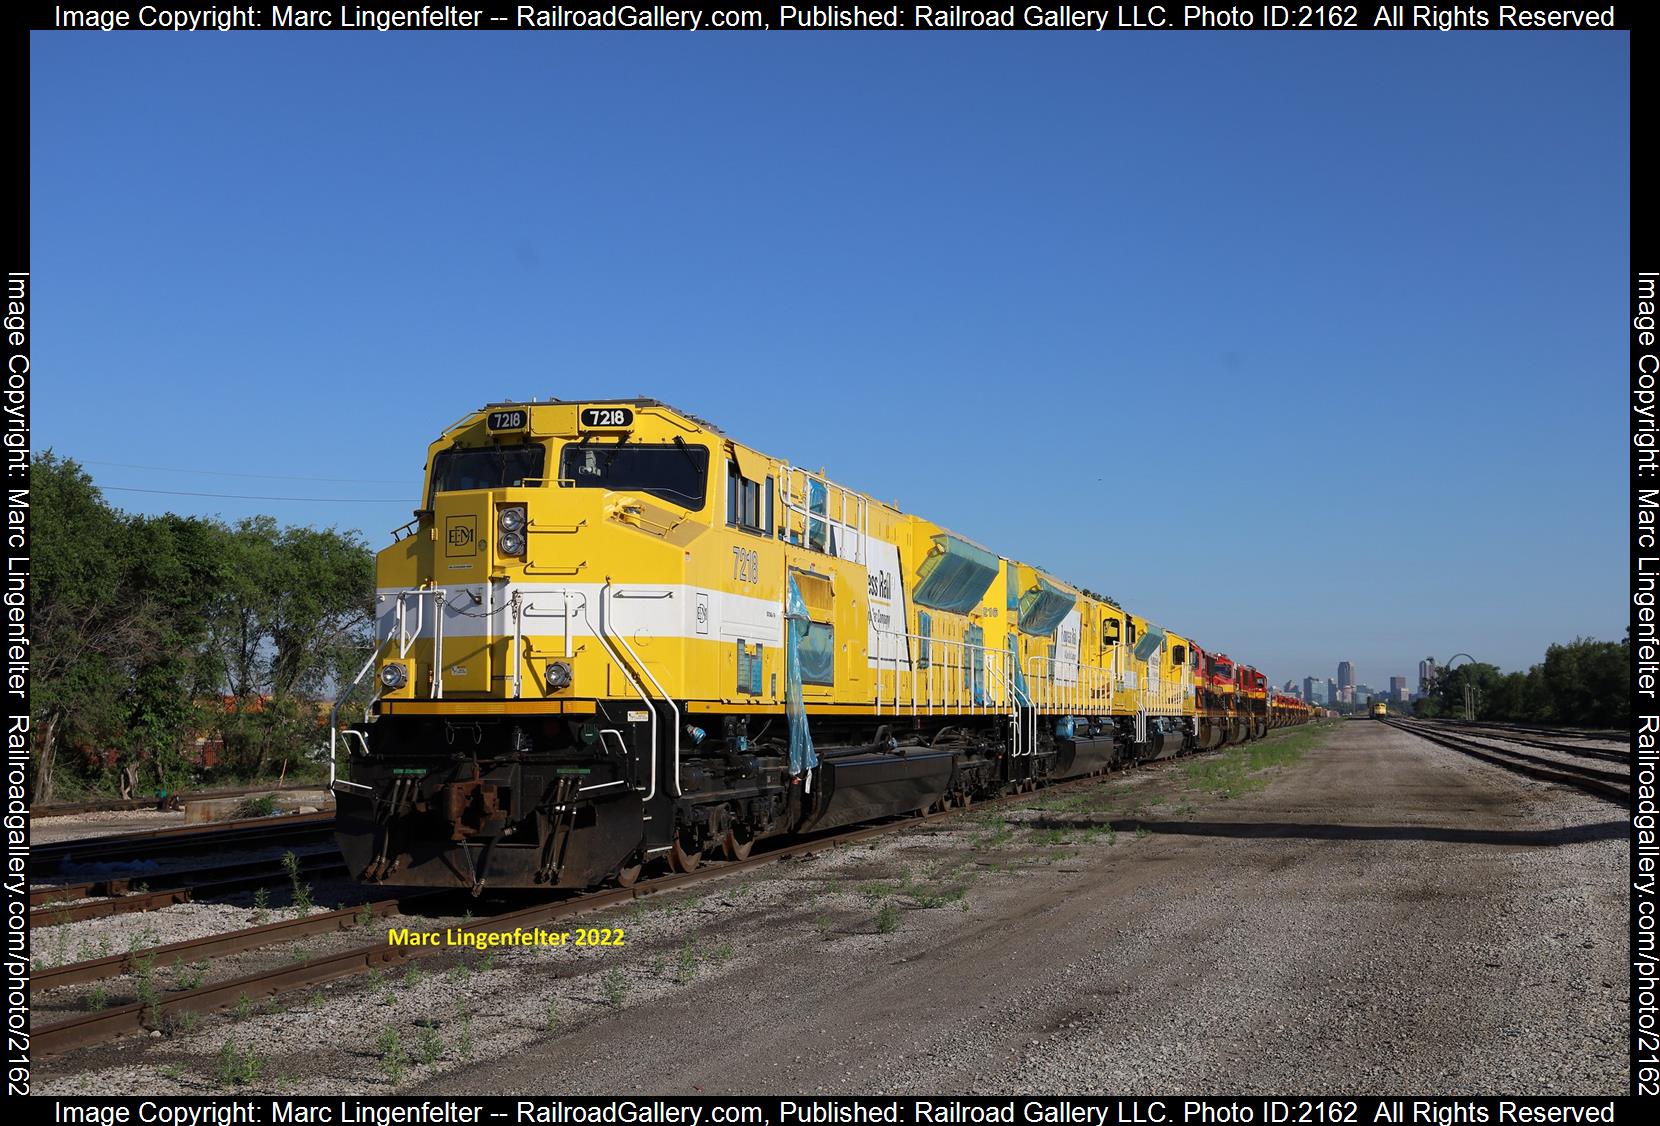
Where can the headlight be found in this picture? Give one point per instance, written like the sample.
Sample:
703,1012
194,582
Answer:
559,675
512,543
394,676
512,518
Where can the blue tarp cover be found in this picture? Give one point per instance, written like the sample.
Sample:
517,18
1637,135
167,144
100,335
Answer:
1042,608
955,575
1148,643
802,755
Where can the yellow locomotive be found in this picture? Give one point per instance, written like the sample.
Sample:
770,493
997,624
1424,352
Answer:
613,635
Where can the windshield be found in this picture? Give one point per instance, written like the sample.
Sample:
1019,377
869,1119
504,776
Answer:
676,473
487,467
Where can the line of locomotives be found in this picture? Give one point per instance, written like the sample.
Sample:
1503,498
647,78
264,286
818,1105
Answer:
613,637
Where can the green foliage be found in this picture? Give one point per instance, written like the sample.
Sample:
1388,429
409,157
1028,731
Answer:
142,622
394,1060
238,1067
615,984
887,919
1583,683
262,806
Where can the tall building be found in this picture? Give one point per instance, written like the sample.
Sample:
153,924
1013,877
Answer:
1345,674
1428,670
1308,690
1331,692
1397,689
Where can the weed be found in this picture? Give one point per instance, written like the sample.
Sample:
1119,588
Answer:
394,1061
1141,831
262,806
98,998
458,973
464,1040
244,1007
658,964
686,965
875,891
615,984
1047,836
552,1020
931,899
302,892
364,916
823,926
262,901
189,977
236,1067
430,1045
172,1071
887,919
722,953
316,1001
413,977
487,963
186,1021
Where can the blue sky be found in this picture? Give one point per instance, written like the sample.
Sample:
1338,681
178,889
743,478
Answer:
1308,345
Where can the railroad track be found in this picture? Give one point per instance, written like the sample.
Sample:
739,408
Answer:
117,805
86,1029
1607,784
1606,754
123,898
257,832
227,943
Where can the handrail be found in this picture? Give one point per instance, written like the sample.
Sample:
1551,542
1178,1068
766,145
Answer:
334,719
674,709
628,675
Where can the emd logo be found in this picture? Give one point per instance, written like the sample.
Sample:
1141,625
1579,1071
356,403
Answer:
461,537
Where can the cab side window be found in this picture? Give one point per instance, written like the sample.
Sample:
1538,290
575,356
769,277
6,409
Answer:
748,503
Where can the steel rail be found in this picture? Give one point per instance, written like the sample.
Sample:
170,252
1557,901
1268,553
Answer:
127,904
160,842
123,884
1603,753
117,805
1584,778
220,945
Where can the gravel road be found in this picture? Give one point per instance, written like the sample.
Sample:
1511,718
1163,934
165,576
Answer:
1383,916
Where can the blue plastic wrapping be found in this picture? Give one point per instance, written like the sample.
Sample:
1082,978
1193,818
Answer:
974,663
1149,642
1042,608
802,755
955,575
818,503
1017,679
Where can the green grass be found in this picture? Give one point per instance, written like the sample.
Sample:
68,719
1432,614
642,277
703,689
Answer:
887,919
1232,772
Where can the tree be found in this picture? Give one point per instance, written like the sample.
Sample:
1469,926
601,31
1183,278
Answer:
296,607
86,622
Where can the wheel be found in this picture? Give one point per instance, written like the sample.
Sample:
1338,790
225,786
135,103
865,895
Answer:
682,859
628,875
737,847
